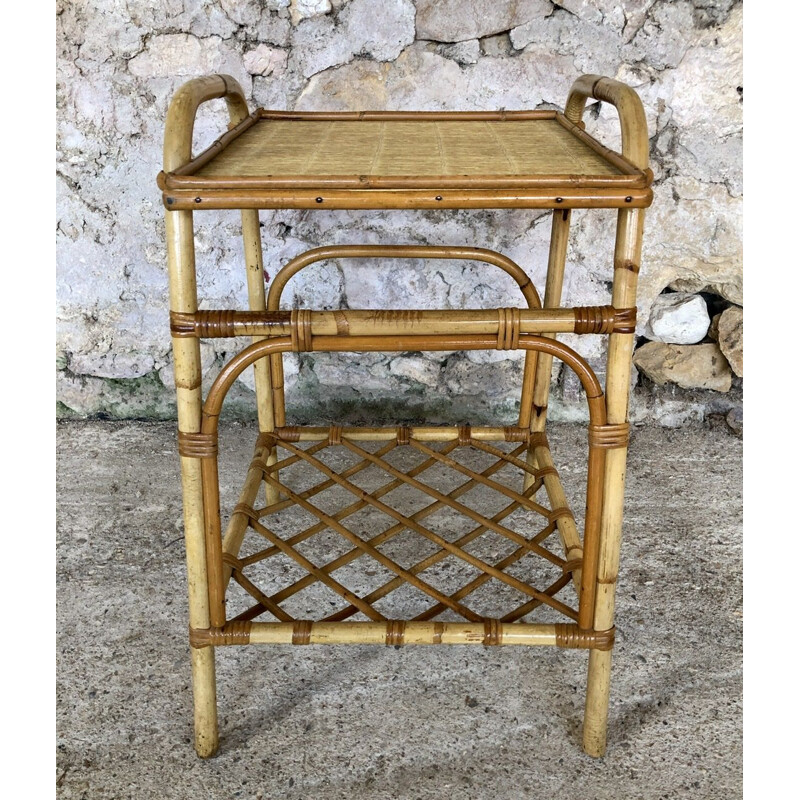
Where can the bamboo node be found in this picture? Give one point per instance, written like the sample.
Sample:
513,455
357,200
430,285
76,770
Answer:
197,445
342,325
403,435
395,632
492,632
513,433
609,437
334,435
464,435
438,630
300,323
508,327
181,324
301,631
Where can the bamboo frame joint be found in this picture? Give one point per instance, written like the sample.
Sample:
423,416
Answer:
572,637
232,633
609,437
197,445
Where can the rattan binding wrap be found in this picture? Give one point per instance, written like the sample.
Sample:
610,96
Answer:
197,445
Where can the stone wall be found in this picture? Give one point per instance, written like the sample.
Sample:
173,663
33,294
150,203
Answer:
119,64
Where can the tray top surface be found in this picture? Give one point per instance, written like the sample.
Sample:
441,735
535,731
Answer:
406,148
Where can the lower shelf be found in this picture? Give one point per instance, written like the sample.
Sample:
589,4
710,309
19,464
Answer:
422,535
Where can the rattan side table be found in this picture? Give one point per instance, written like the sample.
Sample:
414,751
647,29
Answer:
305,485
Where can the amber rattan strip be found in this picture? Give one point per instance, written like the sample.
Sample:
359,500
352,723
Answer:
525,546
264,603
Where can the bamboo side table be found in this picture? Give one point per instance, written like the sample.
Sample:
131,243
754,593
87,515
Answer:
394,160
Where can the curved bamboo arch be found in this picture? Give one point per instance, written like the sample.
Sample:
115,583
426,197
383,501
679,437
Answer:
485,255
632,121
313,256
183,109
230,372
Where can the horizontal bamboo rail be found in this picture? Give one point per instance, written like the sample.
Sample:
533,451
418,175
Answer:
489,632
422,433
221,323
567,197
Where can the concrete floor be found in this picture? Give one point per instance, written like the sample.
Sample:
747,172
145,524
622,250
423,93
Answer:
375,722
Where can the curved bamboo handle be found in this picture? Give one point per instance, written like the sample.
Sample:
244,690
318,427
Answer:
183,109
635,143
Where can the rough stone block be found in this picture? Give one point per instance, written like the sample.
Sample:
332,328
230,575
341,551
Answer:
731,337
678,318
699,366
458,20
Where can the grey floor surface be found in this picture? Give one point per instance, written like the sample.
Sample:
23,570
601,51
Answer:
377,722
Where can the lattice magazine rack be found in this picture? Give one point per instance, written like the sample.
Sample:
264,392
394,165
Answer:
491,545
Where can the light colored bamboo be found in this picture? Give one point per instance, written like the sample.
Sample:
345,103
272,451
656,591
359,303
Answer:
402,251
627,255
254,259
422,433
567,197
408,116
539,456
554,283
188,380
217,323
237,526
256,294
317,254
183,110
532,330
366,344
183,297
414,633
556,264
635,143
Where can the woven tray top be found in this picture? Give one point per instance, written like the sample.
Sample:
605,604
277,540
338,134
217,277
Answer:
400,148
406,150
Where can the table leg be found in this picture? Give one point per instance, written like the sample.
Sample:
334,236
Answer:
254,257
188,377
627,255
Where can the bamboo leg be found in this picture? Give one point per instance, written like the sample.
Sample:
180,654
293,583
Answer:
627,254
254,256
556,262
183,297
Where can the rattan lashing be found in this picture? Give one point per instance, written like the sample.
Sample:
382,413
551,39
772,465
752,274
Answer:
505,159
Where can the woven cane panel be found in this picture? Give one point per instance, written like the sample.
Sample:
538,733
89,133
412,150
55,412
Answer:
399,148
324,525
